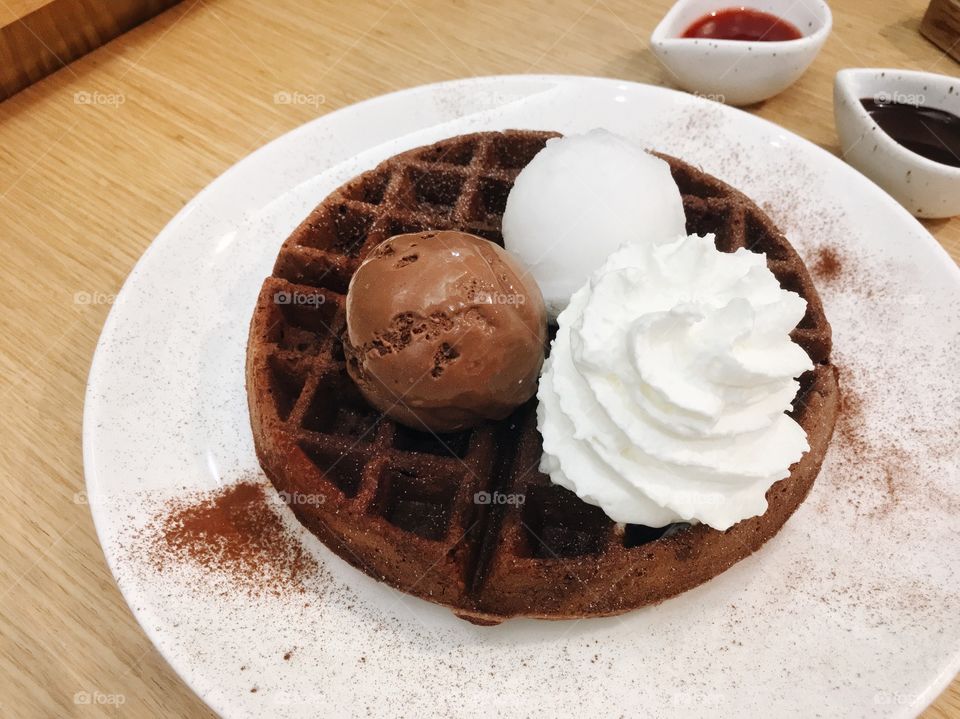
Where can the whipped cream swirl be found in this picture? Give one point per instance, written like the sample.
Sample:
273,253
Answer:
664,397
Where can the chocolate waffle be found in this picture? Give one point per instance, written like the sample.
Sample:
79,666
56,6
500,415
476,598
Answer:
423,512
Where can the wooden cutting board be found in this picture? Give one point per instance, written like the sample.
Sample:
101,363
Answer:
941,25
38,37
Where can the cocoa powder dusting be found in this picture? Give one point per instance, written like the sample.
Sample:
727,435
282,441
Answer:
867,460
849,423
234,534
827,264
882,473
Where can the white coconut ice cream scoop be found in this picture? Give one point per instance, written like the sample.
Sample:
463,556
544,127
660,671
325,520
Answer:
581,198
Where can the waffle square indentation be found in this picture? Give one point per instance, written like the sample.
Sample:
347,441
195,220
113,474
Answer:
416,500
453,444
337,408
369,188
286,384
342,469
636,535
513,152
310,318
437,190
493,197
340,228
558,524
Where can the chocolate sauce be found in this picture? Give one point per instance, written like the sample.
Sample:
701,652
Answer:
927,131
740,23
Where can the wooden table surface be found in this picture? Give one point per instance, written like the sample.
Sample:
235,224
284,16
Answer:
98,157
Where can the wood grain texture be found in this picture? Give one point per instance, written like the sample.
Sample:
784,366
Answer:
37,38
87,185
941,25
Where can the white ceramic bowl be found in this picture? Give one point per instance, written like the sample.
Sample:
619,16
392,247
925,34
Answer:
734,71
926,188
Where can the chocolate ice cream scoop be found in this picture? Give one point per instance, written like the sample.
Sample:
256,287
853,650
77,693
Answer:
444,330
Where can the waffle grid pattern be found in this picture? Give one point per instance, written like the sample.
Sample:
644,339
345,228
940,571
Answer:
416,492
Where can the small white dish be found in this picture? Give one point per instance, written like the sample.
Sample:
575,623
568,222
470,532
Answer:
733,71
926,188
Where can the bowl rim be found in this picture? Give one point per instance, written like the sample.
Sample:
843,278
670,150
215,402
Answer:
660,35
844,88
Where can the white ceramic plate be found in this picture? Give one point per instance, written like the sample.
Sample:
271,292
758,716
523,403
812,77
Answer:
852,610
